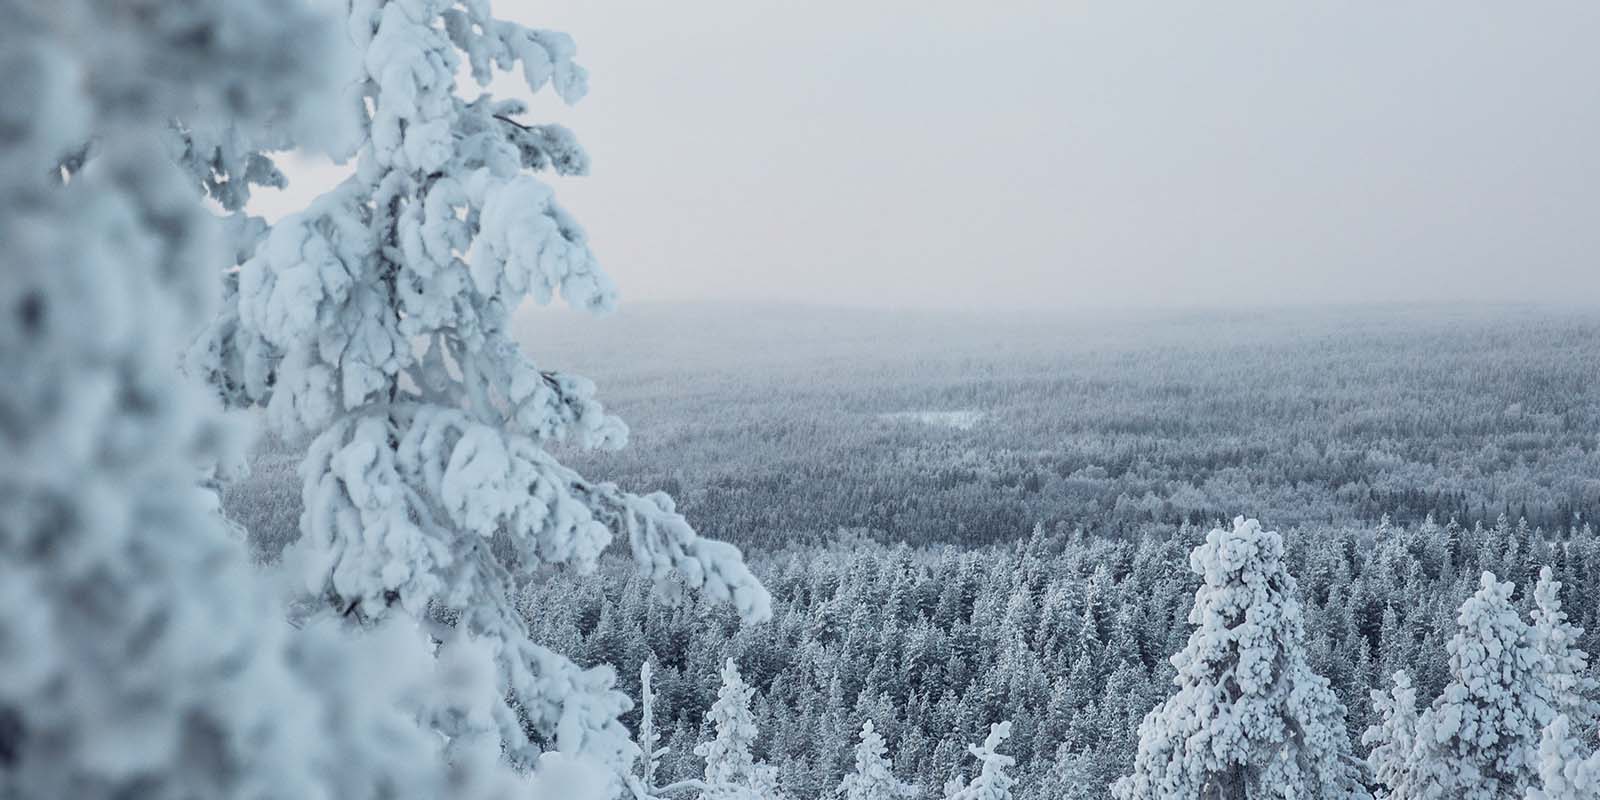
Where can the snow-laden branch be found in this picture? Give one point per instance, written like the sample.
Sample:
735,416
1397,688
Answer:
377,325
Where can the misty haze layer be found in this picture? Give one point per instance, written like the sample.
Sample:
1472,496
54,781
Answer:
1046,154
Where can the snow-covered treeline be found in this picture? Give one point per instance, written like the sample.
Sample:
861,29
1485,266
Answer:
1066,636
1104,421
733,772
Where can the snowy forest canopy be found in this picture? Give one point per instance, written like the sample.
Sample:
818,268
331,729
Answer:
1007,558
1097,419
1091,420
1048,603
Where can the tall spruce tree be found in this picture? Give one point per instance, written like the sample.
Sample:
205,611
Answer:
872,778
732,772
1250,719
377,324
1564,666
1394,736
1480,738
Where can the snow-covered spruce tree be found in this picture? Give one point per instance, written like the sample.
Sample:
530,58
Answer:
1479,739
1069,776
139,655
1568,769
1250,719
1564,667
1393,739
873,778
377,324
731,770
992,781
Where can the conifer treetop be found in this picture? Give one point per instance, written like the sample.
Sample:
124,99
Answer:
1565,666
1249,715
872,778
992,781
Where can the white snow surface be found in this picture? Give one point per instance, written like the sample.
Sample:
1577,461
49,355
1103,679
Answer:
961,420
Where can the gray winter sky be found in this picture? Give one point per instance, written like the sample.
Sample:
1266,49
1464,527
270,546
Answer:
1042,154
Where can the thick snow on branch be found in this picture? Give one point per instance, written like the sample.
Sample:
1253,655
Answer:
1479,739
1249,717
1564,667
1569,769
992,781
140,656
376,325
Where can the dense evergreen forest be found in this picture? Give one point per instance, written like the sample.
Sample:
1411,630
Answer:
968,519
1065,635
1297,553
1101,421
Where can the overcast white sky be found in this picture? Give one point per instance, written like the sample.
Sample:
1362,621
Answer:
957,154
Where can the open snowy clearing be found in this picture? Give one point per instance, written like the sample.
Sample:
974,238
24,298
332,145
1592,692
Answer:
962,420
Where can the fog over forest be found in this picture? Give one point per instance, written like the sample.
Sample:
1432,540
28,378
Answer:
917,487
799,401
